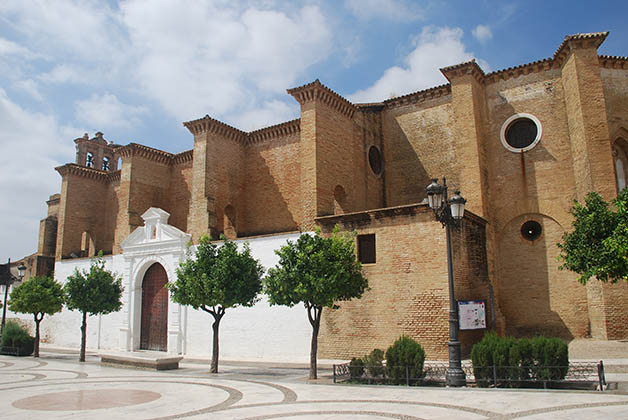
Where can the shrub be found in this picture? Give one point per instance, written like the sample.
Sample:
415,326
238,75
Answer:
492,351
537,359
17,338
373,362
405,357
356,368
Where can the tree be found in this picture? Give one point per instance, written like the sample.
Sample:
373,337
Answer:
218,278
598,245
94,292
39,296
316,271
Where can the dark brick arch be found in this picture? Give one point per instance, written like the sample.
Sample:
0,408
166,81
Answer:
154,327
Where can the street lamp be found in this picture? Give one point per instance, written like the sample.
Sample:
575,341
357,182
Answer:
8,279
449,212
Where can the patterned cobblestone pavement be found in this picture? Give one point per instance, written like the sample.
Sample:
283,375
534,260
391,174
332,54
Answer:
59,387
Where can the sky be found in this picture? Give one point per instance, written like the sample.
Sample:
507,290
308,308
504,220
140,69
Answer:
137,69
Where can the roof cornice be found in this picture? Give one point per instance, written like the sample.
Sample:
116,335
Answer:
420,96
316,91
613,62
134,149
588,40
467,68
183,157
279,130
72,169
209,125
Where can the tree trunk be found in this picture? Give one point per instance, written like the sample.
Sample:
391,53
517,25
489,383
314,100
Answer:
315,321
83,337
37,321
214,366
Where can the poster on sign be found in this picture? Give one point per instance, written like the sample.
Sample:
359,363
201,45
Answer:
472,314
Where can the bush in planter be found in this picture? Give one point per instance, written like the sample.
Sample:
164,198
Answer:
373,362
356,368
16,339
493,350
536,359
405,357
552,358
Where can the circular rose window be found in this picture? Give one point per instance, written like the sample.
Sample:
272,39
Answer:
521,132
531,230
375,160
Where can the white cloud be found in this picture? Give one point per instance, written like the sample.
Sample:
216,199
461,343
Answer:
207,59
435,48
103,111
64,73
30,87
482,33
395,10
267,114
32,145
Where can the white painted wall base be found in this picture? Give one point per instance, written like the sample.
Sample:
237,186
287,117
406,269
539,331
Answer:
262,332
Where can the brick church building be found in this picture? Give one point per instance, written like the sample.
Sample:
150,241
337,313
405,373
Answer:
520,144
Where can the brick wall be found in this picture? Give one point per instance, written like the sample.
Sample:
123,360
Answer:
408,283
273,186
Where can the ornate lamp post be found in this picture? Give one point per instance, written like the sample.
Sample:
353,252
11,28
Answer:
449,212
7,281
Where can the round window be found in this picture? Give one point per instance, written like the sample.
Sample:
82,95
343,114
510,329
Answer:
375,160
521,132
531,230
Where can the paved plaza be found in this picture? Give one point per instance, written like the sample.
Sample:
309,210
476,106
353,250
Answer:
57,386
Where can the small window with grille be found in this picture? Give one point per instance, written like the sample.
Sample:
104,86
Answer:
105,163
366,249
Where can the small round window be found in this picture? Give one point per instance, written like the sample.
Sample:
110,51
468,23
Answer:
531,230
375,160
521,132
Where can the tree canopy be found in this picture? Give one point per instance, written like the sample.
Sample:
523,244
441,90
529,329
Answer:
215,279
39,296
317,271
598,245
94,292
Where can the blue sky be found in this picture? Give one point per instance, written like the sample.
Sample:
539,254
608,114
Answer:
137,69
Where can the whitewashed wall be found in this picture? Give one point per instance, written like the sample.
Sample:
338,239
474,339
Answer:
261,332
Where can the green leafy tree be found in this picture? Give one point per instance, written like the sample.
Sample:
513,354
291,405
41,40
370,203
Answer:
39,296
316,271
598,245
94,292
218,278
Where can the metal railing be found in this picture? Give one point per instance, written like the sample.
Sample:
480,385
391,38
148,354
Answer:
577,373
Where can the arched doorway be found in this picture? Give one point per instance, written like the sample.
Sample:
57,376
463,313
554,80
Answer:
154,327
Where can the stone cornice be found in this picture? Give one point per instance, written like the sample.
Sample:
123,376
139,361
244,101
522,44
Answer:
279,130
183,157
613,62
520,70
316,91
365,217
467,68
134,149
72,169
209,125
420,96
114,176
589,40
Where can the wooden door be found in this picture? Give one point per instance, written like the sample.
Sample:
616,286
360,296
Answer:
154,329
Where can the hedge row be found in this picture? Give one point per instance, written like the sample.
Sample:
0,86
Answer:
513,362
404,363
